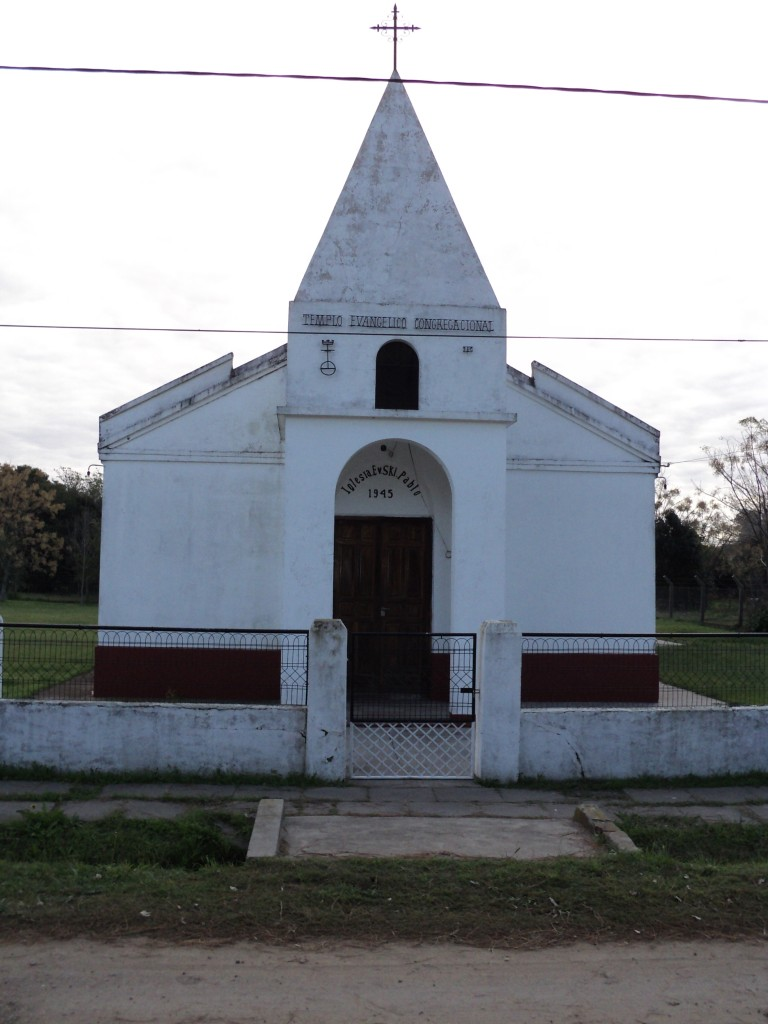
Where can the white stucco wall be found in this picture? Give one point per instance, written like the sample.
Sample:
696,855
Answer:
601,743
192,544
580,555
89,735
192,525
451,379
617,743
472,455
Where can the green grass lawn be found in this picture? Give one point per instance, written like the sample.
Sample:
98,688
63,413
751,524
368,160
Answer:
118,878
666,625
38,657
67,613
730,669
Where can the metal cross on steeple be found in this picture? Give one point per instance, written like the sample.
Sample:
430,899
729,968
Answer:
394,29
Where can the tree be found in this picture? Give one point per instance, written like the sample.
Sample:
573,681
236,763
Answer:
79,525
693,536
678,548
28,507
742,464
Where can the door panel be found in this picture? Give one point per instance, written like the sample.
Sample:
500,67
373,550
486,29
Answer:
383,585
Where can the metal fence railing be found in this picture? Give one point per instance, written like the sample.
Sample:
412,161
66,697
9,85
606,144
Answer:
681,670
411,677
62,662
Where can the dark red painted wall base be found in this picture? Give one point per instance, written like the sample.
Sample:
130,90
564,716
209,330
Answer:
597,678
188,674
440,676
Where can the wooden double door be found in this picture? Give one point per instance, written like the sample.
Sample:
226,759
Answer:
382,591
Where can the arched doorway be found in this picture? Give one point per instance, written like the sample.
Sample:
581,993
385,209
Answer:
392,540
409,684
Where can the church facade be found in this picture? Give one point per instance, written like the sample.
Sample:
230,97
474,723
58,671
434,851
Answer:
386,466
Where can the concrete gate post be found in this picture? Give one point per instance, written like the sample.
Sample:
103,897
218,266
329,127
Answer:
497,710
326,745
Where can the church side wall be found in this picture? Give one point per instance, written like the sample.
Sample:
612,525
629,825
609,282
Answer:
192,544
192,527
580,554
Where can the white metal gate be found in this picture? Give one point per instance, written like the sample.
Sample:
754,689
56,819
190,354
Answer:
410,750
411,700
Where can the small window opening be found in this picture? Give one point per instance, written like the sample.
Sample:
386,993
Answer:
397,377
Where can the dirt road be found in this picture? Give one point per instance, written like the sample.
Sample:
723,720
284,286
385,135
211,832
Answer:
139,982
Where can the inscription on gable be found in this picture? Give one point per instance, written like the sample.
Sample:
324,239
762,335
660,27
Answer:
430,324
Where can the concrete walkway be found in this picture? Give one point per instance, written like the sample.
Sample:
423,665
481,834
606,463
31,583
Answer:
403,818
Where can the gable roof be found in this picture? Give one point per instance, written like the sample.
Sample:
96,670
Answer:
183,395
395,234
584,408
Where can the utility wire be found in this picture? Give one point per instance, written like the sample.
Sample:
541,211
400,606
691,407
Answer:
401,334
640,93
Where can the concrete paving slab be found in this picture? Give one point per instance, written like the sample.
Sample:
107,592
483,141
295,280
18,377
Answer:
299,807
416,809
392,792
265,837
596,820
146,790
373,784
336,794
758,812
23,787
10,810
247,808
385,810
735,815
662,796
555,811
248,792
525,796
478,794
168,790
721,794
200,791
142,810
309,835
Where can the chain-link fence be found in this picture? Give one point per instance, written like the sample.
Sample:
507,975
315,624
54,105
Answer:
722,606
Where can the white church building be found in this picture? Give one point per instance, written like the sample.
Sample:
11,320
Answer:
385,467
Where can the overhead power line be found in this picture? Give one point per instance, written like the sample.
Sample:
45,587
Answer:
358,333
640,93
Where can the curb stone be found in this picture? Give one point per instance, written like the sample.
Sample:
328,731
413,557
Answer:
594,818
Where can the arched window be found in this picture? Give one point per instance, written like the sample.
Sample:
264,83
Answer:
397,377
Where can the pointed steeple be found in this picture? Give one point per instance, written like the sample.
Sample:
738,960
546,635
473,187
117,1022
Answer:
395,235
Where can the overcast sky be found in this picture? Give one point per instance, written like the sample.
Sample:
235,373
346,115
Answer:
156,201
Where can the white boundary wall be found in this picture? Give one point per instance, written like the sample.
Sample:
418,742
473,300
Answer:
556,743
112,736
623,743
